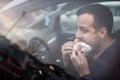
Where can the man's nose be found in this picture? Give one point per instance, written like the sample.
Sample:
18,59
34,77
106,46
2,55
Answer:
78,35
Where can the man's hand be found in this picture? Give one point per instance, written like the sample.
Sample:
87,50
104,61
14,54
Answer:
80,62
67,51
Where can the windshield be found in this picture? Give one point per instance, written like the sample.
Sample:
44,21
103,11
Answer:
41,29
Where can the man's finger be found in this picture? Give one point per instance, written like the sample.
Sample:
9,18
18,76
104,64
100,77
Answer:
73,55
79,53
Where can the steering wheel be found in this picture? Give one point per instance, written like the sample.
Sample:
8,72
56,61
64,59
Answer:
38,48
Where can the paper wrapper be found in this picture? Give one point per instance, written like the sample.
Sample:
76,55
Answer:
85,48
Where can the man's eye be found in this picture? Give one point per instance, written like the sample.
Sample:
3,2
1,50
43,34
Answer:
84,30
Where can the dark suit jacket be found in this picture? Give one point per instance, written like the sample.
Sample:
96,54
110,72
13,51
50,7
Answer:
106,67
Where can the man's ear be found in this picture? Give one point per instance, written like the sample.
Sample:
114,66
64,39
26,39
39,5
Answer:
102,33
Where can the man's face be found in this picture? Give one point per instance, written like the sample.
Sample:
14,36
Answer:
86,31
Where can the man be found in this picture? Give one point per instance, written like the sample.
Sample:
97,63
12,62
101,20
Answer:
94,26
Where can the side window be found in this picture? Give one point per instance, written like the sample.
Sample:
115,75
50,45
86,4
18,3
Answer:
115,8
116,12
68,21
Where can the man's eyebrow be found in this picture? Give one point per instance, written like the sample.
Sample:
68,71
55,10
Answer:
83,28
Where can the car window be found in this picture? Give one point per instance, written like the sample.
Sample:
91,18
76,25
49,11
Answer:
68,19
115,8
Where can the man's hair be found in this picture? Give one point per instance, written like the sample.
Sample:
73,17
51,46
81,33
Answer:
102,16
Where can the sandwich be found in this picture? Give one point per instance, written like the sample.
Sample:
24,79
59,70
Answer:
85,48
